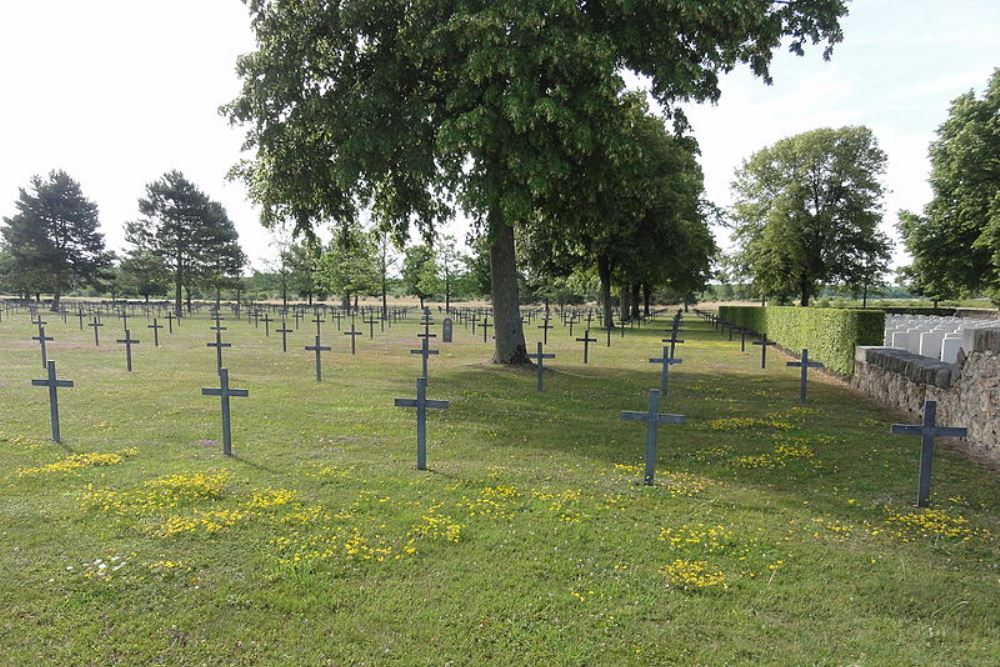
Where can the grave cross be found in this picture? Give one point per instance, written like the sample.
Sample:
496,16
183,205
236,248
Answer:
170,321
928,431
218,345
743,338
156,332
284,331
128,342
97,324
354,336
486,327
224,392
371,321
41,338
586,340
53,384
666,361
319,349
123,316
318,321
540,358
674,341
267,324
764,343
424,352
421,403
80,314
653,418
545,326
805,365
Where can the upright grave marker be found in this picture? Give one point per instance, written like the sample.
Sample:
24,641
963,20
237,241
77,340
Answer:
128,342
284,331
486,327
421,403
424,352
447,328
267,324
540,358
586,340
653,419
353,333
666,361
170,321
928,431
41,338
805,365
764,344
156,332
318,348
224,393
54,385
545,326
218,344
97,324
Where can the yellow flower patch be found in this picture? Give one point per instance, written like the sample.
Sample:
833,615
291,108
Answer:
157,494
77,461
930,524
694,575
492,502
697,536
747,423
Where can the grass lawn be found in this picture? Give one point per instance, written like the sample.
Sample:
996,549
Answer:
776,535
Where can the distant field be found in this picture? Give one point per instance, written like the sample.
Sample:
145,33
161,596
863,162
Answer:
777,534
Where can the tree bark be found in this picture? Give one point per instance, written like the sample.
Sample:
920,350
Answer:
604,273
508,330
56,295
623,305
634,301
647,297
803,292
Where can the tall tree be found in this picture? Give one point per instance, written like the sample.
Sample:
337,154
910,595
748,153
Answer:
142,272
450,260
955,244
191,232
807,211
420,272
52,240
350,265
495,107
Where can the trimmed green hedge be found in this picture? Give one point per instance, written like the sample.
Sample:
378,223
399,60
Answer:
830,334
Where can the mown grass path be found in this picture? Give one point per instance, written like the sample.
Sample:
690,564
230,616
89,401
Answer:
777,535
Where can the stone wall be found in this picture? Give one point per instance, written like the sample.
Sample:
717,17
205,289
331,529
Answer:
968,392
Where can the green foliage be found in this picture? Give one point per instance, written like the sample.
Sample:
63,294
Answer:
830,334
955,243
807,212
420,272
190,232
142,273
350,266
52,244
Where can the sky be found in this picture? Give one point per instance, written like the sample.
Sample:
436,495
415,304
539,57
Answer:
117,92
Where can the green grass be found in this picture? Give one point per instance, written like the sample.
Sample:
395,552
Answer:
528,543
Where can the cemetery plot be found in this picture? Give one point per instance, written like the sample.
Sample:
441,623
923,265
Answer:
320,532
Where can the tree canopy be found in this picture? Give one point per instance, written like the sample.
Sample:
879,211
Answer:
52,242
807,211
414,109
190,232
955,243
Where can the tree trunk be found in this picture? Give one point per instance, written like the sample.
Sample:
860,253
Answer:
647,297
508,330
178,295
623,306
634,301
187,294
447,293
864,298
385,300
803,292
56,295
345,301
604,273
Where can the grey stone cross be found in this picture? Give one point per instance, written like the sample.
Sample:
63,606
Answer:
666,361
586,340
421,403
267,324
928,431
80,314
224,392
371,322
319,349
218,345
424,352
318,321
764,344
41,338
128,342
156,332
54,385
653,419
170,321
805,365
486,327
353,333
545,326
284,331
97,324
674,341
540,358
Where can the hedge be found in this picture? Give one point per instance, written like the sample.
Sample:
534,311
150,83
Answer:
830,334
